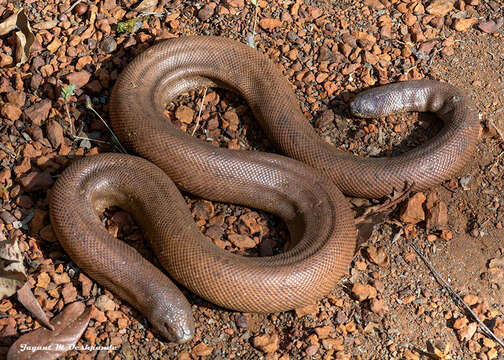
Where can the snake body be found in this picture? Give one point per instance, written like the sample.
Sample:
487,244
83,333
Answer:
305,193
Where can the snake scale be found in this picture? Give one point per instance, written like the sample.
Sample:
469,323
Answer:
304,187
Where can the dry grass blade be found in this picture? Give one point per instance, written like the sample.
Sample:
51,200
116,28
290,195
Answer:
72,7
115,140
458,299
25,296
199,112
69,326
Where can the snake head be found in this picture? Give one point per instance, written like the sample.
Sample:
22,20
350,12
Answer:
365,105
173,321
174,327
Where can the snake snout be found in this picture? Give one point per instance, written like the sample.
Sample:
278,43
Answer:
173,321
179,334
365,105
178,331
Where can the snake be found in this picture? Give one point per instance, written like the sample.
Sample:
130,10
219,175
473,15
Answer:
303,185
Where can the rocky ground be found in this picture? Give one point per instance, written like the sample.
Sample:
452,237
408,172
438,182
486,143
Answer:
390,305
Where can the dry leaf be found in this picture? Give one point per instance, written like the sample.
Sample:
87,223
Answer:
43,344
9,24
12,270
377,255
491,26
365,228
146,5
24,37
26,297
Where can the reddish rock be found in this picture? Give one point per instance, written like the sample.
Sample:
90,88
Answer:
267,343
69,293
97,315
5,175
471,299
86,285
437,216
5,85
270,23
104,303
378,306
363,292
460,323
467,332
235,3
38,112
23,168
43,280
11,112
206,12
323,332
374,4
311,310
241,241
202,349
78,78
36,180
60,279
440,8
377,255
55,133
413,212
184,114
463,25
17,98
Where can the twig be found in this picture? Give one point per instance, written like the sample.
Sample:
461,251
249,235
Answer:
152,13
255,20
443,283
72,7
86,138
385,206
8,151
199,113
72,131
112,134
250,36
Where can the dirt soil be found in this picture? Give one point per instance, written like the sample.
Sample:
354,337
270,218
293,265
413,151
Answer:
390,305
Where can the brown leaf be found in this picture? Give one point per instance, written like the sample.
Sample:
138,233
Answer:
9,24
365,228
491,26
12,270
69,325
24,37
146,5
26,297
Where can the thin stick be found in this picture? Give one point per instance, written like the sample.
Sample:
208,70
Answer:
255,20
8,151
72,7
443,283
114,137
95,140
72,131
199,113
383,207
